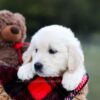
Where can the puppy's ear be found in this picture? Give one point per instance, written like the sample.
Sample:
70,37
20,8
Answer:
27,56
75,56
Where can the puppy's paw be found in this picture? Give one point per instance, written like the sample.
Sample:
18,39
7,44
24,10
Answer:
25,73
70,82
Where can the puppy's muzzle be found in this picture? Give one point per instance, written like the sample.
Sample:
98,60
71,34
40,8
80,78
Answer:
38,66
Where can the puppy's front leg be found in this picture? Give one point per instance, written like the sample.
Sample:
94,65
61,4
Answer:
72,79
25,72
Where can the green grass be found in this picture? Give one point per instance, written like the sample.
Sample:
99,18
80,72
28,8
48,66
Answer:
92,63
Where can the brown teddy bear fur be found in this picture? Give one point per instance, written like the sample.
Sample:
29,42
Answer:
12,31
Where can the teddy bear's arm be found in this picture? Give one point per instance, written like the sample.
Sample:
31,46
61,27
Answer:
2,63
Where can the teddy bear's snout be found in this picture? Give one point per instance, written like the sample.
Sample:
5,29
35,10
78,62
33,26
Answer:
11,33
14,30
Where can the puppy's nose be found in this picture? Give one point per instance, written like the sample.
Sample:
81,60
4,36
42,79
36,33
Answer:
14,30
38,66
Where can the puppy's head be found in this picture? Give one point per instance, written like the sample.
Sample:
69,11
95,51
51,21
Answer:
54,50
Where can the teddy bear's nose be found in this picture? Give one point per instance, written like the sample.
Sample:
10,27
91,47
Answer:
14,30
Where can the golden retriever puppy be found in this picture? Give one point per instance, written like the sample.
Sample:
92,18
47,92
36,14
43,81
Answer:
54,51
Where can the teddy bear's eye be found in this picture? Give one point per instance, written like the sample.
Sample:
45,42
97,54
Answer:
36,50
51,51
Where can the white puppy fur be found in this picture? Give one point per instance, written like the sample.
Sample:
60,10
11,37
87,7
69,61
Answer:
60,53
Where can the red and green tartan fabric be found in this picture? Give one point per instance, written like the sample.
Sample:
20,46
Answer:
38,88
41,87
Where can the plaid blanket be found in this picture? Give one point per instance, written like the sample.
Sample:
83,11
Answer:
36,89
15,88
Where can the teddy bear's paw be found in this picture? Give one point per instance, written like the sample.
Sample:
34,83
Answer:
70,82
25,73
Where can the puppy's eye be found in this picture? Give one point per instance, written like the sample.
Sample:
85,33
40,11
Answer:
51,51
36,50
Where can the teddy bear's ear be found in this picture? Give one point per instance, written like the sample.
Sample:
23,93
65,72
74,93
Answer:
75,56
27,56
20,16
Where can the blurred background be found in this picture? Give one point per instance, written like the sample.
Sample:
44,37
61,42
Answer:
82,16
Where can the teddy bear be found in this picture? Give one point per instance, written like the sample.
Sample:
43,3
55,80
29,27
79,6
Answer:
12,37
12,31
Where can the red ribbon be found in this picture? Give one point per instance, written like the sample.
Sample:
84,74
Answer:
18,47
